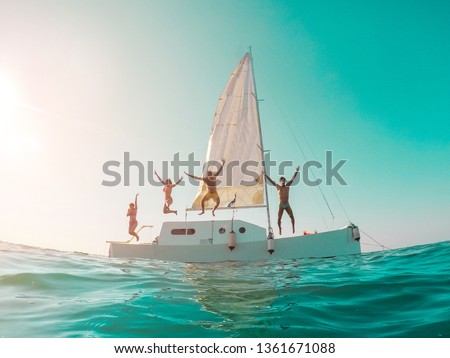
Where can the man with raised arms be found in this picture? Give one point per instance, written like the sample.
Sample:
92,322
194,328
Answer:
283,194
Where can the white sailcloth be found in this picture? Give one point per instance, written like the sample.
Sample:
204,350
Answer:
235,137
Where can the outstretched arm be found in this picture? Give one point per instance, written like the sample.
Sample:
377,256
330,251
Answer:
293,177
135,201
159,178
193,176
178,182
270,180
220,169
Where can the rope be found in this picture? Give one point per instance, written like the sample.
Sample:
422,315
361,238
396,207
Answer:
315,157
370,237
291,130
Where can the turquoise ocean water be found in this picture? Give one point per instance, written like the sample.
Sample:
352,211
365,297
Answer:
394,293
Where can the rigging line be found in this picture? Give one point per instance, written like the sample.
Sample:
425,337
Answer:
315,157
304,155
255,95
315,198
321,212
340,203
373,245
365,233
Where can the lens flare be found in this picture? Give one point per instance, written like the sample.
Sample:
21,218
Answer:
8,99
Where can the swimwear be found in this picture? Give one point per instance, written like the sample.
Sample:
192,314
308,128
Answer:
284,205
132,226
132,214
214,196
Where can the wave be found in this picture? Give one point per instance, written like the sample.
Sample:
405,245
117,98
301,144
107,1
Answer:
394,293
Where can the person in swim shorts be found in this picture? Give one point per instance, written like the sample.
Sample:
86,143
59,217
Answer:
283,194
211,182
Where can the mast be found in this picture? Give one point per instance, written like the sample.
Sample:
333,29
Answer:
262,147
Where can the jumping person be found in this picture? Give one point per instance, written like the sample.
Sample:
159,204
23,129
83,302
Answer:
168,186
283,194
132,212
210,181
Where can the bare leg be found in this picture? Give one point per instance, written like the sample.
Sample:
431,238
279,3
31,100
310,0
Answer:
135,235
280,214
166,210
131,230
291,215
203,206
217,201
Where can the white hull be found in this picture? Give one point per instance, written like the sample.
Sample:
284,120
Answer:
207,241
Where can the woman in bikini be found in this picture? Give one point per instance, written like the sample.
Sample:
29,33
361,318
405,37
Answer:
168,186
132,213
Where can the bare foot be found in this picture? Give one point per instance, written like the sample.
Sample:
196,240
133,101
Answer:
213,213
201,213
176,212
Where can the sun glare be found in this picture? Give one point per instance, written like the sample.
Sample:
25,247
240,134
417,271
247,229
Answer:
16,142
8,99
20,142
16,146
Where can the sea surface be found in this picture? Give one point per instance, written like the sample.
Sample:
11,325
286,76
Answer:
392,293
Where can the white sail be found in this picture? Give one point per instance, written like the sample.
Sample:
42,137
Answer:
236,137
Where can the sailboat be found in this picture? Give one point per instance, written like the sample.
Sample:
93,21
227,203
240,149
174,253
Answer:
236,136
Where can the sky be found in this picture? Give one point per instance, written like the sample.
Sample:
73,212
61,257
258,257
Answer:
83,82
